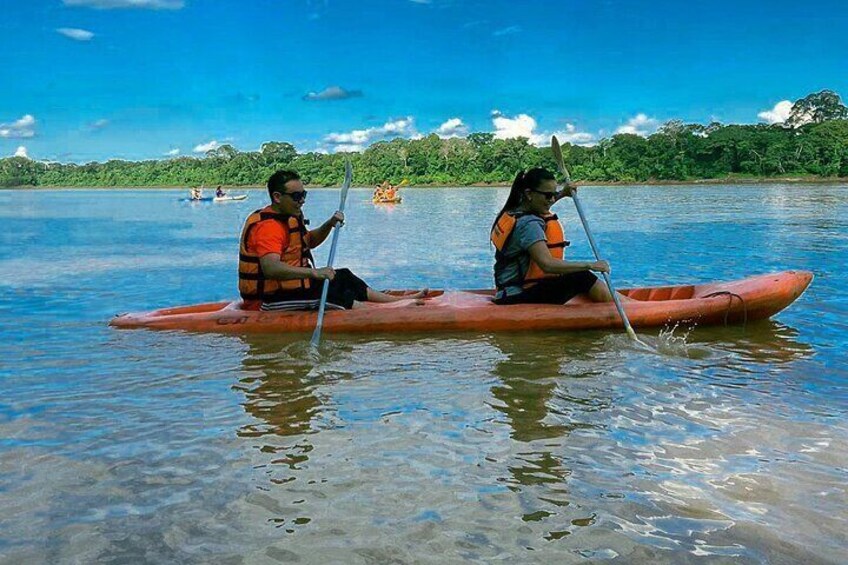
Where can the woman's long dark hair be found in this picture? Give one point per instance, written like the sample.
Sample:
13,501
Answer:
529,180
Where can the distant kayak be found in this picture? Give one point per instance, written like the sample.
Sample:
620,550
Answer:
734,302
230,198
395,200
226,198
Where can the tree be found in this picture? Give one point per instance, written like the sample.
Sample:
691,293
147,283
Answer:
629,151
277,153
678,151
817,108
827,147
19,171
225,152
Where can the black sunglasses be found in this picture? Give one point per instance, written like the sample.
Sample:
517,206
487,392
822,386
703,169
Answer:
545,193
297,196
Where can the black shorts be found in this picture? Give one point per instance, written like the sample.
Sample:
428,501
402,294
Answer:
344,289
556,290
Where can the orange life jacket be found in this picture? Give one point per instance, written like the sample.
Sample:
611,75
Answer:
554,237
252,283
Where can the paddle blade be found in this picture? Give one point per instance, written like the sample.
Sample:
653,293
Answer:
557,151
346,185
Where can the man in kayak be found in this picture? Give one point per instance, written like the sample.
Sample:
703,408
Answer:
530,245
219,192
276,270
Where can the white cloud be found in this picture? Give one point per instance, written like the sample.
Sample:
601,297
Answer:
506,31
141,4
345,148
99,124
571,135
333,93
454,127
640,124
174,152
358,139
22,128
22,152
520,126
778,114
75,33
524,125
208,146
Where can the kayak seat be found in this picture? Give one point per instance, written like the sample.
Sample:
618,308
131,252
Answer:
660,293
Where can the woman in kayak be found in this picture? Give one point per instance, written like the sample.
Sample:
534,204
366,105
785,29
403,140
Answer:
276,270
529,248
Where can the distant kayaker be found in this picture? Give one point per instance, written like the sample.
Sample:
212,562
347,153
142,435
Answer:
381,190
276,270
219,192
530,245
196,193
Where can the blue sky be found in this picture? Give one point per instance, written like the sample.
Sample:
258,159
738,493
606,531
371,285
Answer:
87,80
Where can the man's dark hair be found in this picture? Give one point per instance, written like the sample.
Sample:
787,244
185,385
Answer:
277,182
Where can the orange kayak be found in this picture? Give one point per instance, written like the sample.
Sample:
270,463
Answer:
749,299
395,200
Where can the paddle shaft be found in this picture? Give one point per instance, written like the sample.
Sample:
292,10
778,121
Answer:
557,151
316,335
607,279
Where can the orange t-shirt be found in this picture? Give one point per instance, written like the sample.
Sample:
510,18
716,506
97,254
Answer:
267,236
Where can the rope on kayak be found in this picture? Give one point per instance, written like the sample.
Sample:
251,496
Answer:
731,295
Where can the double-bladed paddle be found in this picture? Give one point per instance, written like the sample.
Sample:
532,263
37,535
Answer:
561,165
316,335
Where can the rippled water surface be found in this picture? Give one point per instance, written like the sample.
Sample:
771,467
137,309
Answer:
138,446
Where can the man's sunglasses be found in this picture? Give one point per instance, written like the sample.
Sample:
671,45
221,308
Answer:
298,196
545,193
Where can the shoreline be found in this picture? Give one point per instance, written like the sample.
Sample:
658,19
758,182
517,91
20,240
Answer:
696,182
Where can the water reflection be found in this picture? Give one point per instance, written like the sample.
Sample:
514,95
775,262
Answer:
525,388
534,375
277,389
764,343
280,392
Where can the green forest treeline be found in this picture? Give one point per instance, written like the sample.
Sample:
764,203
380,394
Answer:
813,141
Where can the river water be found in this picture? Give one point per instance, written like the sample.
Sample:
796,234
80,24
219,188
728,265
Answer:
139,446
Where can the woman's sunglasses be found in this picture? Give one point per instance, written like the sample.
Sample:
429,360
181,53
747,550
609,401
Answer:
298,196
545,193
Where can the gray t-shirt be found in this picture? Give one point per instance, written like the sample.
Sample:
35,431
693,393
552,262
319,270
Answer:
528,230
